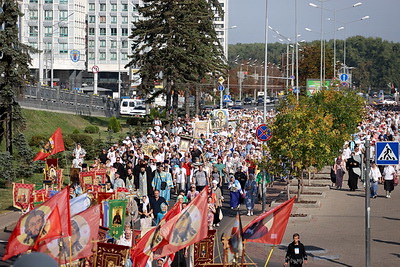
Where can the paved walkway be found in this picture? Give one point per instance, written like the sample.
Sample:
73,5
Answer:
335,234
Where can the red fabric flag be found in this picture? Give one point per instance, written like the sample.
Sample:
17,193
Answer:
28,227
54,145
188,227
152,239
85,228
236,240
51,229
270,226
23,196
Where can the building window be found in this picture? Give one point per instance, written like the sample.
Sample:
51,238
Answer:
48,1
103,7
33,31
113,31
34,45
113,56
63,31
125,44
124,7
124,19
113,19
102,43
124,31
91,55
33,1
48,31
48,14
47,47
103,19
63,48
103,31
91,43
92,6
91,31
92,19
63,1
113,7
124,56
33,14
113,44
134,8
63,14
102,55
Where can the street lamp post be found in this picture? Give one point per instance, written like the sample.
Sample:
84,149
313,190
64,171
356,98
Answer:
334,16
344,39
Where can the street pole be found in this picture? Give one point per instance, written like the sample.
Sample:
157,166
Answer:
95,73
334,45
322,36
241,76
52,60
297,52
265,101
287,67
367,205
119,68
40,41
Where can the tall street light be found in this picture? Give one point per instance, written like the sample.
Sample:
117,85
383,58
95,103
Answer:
334,19
226,53
344,39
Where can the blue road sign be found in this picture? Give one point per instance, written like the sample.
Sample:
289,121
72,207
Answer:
344,77
387,153
263,133
221,88
227,98
296,90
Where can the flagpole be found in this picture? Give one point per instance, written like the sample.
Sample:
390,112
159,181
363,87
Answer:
243,252
269,256
70,251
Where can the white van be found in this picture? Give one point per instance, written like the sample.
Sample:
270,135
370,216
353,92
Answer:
132,107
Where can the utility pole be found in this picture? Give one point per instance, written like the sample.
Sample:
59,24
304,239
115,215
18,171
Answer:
367,205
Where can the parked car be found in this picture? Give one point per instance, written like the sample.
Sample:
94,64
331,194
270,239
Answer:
238,103
247,101
389,101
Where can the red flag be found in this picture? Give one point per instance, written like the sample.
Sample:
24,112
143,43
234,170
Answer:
270,226
29,226
236,240
54,145
51,229
85,228
188,227
22,196
152,239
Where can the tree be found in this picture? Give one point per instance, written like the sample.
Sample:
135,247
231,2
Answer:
14,71
175,42
310,132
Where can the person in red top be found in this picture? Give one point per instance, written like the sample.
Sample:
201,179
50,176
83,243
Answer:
187,165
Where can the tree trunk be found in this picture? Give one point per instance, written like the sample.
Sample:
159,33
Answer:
168,100
8,135
187,102
287,186
175,98
197,99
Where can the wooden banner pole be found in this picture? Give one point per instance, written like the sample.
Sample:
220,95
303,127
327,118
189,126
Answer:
269,256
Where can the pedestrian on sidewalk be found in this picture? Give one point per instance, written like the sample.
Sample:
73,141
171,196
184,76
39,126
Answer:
296,253
250,189
374,176
388,175
339,169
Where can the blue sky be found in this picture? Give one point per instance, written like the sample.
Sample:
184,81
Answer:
249,17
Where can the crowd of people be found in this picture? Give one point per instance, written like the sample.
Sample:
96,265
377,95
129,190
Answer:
378,126
161,171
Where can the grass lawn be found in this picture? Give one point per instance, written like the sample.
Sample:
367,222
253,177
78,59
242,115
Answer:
44,123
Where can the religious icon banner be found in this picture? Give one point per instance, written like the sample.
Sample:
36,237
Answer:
23,196
204,250
111,255
116,217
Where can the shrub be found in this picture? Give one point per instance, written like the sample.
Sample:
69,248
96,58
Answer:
114,125
76,131
37,140
84,139
69,143
92,129
6,168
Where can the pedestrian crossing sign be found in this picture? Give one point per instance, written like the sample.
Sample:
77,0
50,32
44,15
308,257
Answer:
387,153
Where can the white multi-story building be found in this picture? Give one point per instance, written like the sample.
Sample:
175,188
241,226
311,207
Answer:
76,35
58,28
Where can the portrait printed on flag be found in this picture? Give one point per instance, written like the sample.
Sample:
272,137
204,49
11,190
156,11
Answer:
116,215
32,224
201,127
220,118
187,226
22,195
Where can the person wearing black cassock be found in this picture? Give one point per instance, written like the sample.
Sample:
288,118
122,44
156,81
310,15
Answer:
353,167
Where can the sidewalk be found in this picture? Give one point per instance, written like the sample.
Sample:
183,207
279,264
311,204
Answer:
335,234
8,219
